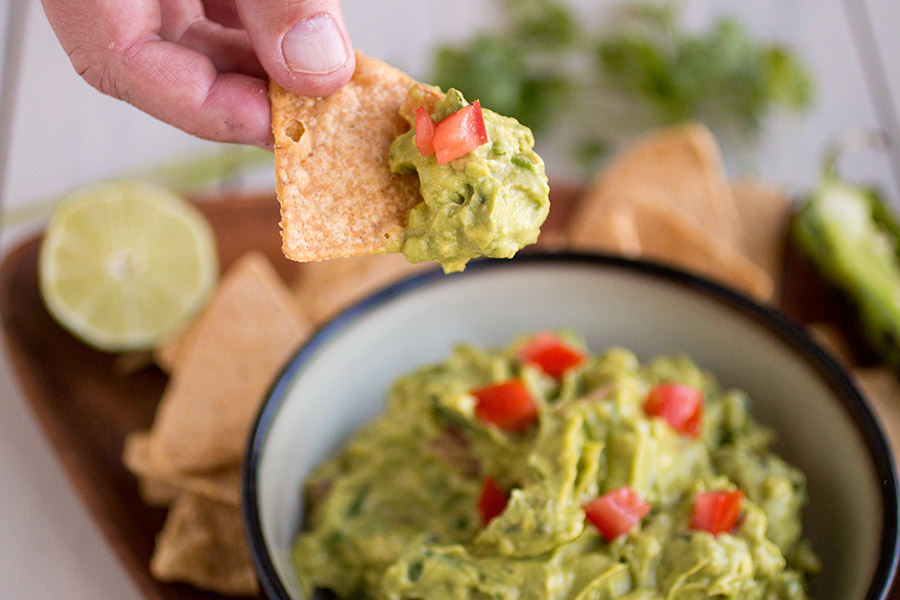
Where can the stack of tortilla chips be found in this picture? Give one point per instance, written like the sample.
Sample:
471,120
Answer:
220,368
667,198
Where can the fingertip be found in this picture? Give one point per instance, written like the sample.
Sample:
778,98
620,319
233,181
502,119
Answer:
304,46
321,84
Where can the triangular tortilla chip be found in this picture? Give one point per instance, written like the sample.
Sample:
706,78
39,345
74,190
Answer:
166,354
667,198
203,543
611,227
155,492
649,226
765,212
326,288
338,196
244,336
161,487
666,235
684,164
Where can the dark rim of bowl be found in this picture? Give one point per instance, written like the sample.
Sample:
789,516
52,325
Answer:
776,322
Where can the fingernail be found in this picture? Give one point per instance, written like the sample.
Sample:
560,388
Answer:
314,45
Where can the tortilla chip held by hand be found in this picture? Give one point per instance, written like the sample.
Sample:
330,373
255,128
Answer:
337,193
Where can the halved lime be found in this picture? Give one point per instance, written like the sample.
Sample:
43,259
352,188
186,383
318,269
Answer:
126,263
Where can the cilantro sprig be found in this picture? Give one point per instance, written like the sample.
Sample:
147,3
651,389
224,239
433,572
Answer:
546,68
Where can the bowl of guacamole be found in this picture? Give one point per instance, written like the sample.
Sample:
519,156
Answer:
567,426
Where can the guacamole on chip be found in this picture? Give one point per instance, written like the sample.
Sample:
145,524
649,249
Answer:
541,471
483,187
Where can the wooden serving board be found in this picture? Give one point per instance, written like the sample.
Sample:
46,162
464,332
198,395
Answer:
86,402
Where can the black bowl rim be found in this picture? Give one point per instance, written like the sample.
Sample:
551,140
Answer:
783,326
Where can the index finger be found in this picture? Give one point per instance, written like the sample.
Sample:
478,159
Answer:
182,87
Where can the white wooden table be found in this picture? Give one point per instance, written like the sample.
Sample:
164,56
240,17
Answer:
57,133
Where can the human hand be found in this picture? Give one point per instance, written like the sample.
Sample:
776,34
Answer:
203,65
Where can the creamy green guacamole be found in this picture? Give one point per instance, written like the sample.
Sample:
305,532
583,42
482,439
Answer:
394,514
490,202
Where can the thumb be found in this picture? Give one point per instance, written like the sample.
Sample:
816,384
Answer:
303,45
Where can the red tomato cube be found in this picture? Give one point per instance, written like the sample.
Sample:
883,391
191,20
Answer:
716,512
491,501
551,354
459,133
507,405
681,406
616,512
424,132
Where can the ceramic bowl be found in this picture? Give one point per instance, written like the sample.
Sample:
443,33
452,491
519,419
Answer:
340,378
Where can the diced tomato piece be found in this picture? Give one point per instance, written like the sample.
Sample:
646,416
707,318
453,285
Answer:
716,512
491,501
681,406
616,512
551,354
459,133
507,405
424,132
